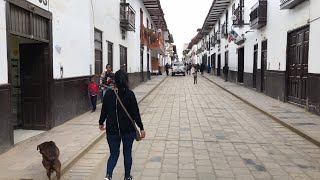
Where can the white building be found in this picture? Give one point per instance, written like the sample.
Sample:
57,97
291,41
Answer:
275,51
49,49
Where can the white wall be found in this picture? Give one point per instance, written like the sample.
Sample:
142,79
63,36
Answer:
73,32
107,19
314,62
3,45
279,22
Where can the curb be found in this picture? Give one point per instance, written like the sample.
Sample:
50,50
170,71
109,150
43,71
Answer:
67,165
295,130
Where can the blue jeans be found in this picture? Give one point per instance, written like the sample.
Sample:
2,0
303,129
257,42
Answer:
94,102
114,146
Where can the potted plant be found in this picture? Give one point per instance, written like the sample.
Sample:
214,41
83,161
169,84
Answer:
153,37
149,31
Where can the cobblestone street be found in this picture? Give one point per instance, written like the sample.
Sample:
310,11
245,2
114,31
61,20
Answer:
202,132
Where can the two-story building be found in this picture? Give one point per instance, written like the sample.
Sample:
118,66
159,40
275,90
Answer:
49,49
268,45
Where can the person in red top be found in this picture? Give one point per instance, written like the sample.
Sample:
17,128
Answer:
93,90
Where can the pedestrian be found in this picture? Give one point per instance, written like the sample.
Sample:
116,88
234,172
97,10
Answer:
225,72
93,90
118,126
167,69
159,70
189,68
106,79
195,74
202,68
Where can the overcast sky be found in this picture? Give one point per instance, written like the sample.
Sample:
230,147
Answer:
183,18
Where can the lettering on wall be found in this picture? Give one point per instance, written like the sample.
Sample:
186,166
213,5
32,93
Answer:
44,4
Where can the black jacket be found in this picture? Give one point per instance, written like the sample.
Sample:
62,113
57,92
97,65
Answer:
108,113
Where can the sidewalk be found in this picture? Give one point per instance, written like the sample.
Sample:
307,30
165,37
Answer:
73,138
296,119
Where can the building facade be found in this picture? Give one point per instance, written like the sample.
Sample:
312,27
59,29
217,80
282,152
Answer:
50,49
268,45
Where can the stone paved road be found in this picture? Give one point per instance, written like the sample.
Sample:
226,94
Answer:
202,132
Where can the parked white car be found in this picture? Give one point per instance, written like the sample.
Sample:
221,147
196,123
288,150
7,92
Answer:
178,68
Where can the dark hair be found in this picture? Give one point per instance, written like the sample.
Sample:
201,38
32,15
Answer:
121,81
108,65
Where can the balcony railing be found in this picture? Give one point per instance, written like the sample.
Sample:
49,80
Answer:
157,42
239,15
212,41
258,15
127,17
144,37
290,4
217,37
224,32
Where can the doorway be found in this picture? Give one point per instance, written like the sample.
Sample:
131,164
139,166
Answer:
141,63
148,66
297,66
213,63
240,64
123,58
219,65
255,61
264,56
30,68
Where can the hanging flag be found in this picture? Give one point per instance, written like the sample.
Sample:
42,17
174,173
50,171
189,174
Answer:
232,35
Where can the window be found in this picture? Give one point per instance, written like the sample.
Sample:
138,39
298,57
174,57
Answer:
123,58
242,3
227,14
233,8
98,51
226,62
110,54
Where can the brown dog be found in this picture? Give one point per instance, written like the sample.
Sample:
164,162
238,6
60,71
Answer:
50,158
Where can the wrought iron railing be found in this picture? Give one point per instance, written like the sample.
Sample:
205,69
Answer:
127,16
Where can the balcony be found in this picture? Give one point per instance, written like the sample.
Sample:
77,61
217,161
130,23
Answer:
239,16
290,4
258,15
127,17
217,37
224,32
157,42
144,37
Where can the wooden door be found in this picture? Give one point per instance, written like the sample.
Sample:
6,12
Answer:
98,52
264,56
240,65
110,54
226,58
141,64
255,64
219,65
123,58
297,65
33,85
148,66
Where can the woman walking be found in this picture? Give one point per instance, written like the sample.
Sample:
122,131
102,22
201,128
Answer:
119,127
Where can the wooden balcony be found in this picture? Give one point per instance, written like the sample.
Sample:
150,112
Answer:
144,37
290,4
157,42
258,15
239,14
127,17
